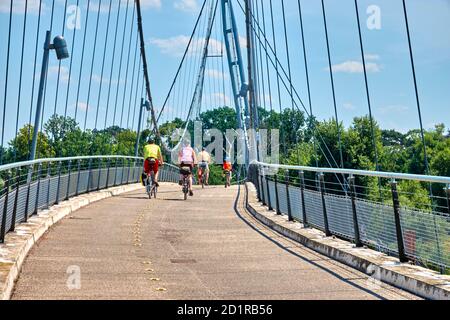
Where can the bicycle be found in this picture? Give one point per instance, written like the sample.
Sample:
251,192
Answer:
150,184
227,179
185,173
201,174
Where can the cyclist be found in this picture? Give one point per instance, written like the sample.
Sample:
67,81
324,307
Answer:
153,159
204,160
187,158
227,169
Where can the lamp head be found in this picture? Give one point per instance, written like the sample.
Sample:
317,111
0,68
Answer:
60,46
147,105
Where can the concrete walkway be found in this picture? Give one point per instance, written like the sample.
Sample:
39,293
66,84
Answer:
129,247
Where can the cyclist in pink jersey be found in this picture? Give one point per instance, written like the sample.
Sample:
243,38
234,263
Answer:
187,158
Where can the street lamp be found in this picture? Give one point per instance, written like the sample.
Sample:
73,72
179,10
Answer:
60,47
144,104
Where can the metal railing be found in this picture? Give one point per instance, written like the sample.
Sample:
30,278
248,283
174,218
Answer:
384,215
27,187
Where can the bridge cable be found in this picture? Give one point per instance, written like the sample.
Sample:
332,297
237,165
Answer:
276,69
46,76
112,64
128,65
416,90
120,63
308,86
82,59
132,80
20,77
92,64
59,62
34,78
269,82
332,86
294,123
6,80
70,67
103,66
136,102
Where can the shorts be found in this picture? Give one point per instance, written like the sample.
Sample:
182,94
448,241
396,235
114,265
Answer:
149,167
189,165
204,166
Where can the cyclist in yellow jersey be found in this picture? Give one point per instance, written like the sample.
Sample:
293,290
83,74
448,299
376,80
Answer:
153,159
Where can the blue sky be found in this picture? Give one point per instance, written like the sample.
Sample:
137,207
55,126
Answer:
168,24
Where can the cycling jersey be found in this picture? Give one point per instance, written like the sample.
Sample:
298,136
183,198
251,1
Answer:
187,155
152,151
227,166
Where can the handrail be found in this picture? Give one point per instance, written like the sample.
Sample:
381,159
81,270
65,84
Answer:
352,172
47,160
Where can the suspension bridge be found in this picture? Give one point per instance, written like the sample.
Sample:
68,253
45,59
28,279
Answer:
317,211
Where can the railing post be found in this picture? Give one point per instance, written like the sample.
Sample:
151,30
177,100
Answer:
324,206
263,198
99,168
447,192
398,225
288,198
269,203
38,188
129,170
108,164
121,172
5,208
256,181
78,177
59,183
16,199
115,173
69,169
88,187
302,194
276,195
49,173
351,182
27,201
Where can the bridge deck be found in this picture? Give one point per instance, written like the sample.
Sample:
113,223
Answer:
128,247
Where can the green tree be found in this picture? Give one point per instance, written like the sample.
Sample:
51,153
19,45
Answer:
21,145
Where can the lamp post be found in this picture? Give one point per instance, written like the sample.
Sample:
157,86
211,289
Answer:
60,47
144,104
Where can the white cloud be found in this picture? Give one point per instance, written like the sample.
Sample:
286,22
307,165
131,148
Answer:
148,4
243,41
216,74
63,73
355,67
392,109
186,5
19,6
83,106
349,106
372,56
221,98
175,46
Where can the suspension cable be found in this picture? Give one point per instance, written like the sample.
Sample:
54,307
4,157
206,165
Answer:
6,80
103,65
338,130
416,90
